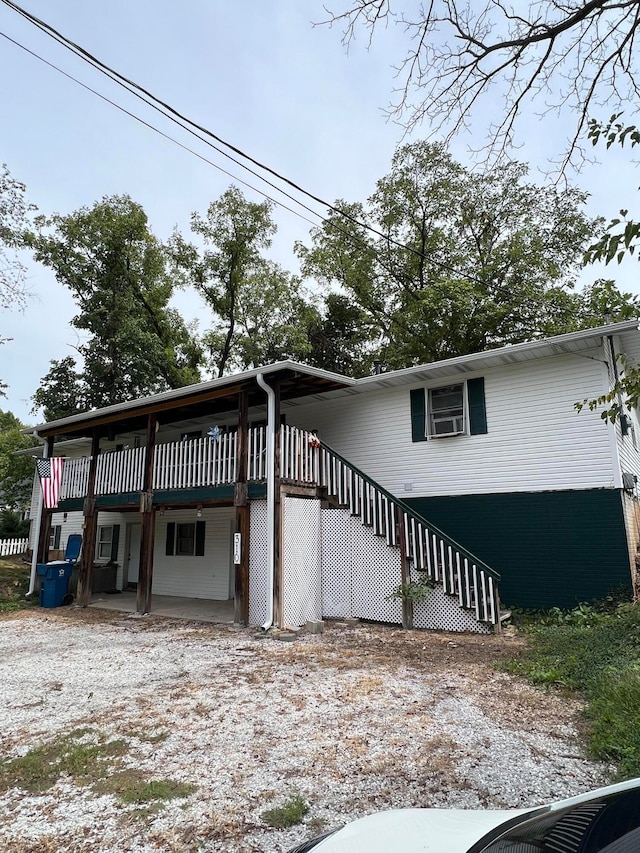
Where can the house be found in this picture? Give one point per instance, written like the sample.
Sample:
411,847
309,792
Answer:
301,494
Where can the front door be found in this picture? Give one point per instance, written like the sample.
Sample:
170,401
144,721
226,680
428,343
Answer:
133,559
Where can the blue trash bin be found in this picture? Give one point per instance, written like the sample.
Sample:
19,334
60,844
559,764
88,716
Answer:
54,582
54,577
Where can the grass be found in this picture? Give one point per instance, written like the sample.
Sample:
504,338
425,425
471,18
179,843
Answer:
595,651
93,763
14,584
40,768
131,787
290,813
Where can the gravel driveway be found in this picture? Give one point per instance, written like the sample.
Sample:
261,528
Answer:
353,720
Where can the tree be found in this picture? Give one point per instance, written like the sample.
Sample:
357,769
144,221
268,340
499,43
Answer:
462,262
341,337
464,58
62,392
257,306
16,472
14,216
117,272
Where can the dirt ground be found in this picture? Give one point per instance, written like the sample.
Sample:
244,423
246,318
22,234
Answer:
101,711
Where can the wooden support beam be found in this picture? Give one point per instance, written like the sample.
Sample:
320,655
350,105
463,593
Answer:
89,527
147,533
405,576
241,502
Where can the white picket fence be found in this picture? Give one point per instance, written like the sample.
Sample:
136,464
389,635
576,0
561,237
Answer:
13,546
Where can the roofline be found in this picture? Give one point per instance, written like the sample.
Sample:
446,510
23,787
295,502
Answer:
527,346
130,406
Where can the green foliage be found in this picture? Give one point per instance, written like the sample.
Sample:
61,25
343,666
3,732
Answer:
14,583
134,343
289,814
16,472
13,525
227,271
14,220
462,261
131,787
416,591
596,651
341,337
91,762
41,767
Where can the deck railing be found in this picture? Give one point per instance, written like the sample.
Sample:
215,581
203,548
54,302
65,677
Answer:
186,464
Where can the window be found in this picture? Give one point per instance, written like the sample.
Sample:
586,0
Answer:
185,539
54,537
107,544
448,410
105,540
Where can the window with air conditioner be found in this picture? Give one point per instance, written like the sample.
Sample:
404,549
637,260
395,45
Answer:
446,411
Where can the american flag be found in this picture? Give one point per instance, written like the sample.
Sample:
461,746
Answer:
50,474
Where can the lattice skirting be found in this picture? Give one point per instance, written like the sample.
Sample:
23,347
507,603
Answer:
334,567
301,561
258,563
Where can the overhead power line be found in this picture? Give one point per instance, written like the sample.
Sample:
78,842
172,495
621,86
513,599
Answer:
188,124
165,135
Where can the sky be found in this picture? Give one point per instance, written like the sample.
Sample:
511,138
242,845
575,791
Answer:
260,75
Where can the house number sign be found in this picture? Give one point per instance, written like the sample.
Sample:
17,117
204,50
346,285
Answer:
237,548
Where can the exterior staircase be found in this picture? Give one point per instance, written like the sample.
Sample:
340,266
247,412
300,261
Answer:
425,550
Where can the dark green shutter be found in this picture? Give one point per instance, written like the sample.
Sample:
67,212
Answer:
171,539
115,539
200,529
56,536
418,415
477,408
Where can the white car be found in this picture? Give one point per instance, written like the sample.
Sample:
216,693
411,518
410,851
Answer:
603,821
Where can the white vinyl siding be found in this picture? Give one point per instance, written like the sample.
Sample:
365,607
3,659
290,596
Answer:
536,440
195,577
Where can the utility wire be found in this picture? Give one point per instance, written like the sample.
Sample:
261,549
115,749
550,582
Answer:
165,135
174,115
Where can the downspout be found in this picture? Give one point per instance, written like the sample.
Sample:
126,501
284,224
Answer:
617,474
36,548
271,495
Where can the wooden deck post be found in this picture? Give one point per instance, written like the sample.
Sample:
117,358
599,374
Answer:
241,503
405,577
89,527
278,582
147,534
44,533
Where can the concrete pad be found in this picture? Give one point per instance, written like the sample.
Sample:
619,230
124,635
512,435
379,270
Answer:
171,606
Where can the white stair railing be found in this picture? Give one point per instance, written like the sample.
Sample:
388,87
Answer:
427,549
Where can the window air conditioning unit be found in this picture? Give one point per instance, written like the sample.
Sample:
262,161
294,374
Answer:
447,427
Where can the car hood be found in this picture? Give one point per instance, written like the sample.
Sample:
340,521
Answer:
416,831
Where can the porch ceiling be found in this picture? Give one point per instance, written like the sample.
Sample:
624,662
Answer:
205,400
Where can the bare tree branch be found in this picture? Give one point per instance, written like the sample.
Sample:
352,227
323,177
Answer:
463,56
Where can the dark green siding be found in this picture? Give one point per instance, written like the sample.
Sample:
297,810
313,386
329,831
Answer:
552,549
